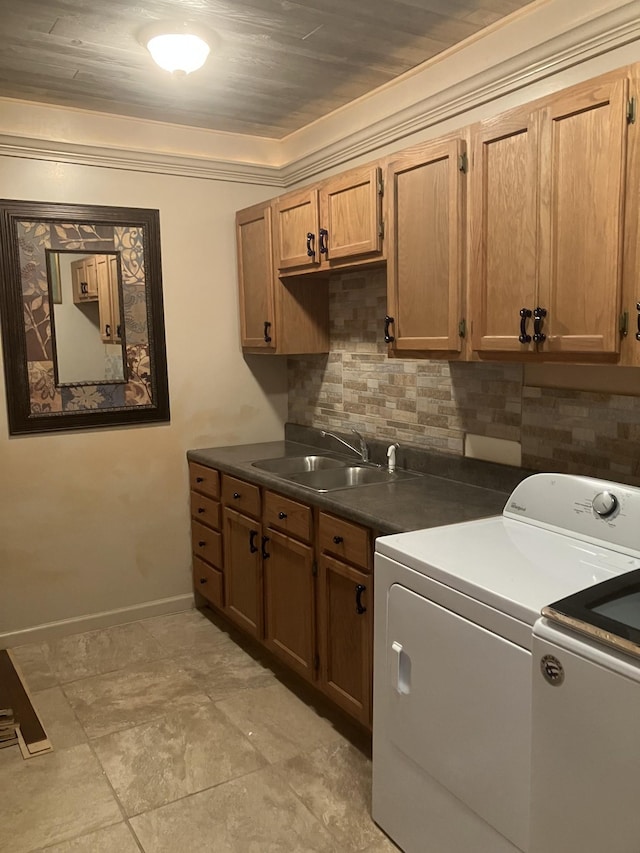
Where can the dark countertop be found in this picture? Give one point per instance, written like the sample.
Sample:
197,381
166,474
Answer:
411,504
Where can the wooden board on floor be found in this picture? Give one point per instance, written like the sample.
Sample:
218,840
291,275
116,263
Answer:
30,732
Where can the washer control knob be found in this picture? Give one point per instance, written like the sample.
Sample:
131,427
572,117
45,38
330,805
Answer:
605,504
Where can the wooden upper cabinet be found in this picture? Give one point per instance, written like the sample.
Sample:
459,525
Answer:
351,215
329,225
296,230
84,279
109,298
425,266
255,273
630,347
547,222
279,317
582,168
503,185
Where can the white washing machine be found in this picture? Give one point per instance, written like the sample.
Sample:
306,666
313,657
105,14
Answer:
454,612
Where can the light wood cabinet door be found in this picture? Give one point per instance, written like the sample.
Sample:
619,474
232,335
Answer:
351,215
289,601
255,276
116,309
503,205
426,248
107,277
345,610
547,224
296,230
242,571
84,279
582,169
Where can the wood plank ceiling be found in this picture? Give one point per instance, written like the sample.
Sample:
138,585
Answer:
276,64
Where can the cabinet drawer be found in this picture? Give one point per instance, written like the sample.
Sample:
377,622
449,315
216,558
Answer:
240,495
208,582
347,540
205,480
287,515
206,543
206,510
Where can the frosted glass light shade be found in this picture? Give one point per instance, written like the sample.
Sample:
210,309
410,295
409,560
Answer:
178,52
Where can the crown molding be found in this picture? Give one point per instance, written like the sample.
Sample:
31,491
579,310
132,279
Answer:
604,34
140,161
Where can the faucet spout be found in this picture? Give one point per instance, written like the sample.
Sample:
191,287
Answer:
362,451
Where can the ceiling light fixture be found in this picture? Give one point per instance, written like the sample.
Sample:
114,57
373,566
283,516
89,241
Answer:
177,47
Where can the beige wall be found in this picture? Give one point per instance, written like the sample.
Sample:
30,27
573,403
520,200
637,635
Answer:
94,521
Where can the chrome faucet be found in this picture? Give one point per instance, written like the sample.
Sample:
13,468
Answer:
363,451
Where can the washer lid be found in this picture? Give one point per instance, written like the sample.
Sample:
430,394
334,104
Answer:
511,565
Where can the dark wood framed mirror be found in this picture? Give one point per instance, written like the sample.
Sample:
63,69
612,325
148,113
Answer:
82,316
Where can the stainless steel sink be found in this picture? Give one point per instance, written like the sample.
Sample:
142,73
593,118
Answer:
347,477
284,466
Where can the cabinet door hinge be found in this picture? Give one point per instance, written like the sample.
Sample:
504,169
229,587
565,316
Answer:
316,661
380,186
314,568
623,324
462,328
381,229
631,111
463,162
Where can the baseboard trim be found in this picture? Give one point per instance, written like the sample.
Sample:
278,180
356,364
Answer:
95,621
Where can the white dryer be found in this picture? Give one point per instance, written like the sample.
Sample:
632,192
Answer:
454,612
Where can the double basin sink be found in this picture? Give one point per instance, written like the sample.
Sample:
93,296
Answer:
328,474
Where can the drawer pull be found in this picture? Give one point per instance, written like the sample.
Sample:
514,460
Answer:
360,609
236,496
203,580
252,541
199,479
201,509
202,543
282,515
338,540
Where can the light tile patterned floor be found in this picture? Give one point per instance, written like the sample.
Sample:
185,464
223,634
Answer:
173,734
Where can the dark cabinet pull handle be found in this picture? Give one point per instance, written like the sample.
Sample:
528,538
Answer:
201,509
638,310
118,331
324,248
265,554
107,330
252,541
538,315
360,609
203,580
388,339
201,543
311,252
338,539
282,515
524,338
84,288
236,496
199,479
267,336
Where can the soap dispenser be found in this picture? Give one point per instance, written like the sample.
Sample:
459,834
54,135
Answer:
391,457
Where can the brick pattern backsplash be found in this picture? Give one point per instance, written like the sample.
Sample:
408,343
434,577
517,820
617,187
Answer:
432,404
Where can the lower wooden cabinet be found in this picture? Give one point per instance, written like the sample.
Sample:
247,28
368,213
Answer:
289,602
345,636
243,570
296,579
208,582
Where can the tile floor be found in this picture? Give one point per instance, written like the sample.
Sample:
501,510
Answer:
172,734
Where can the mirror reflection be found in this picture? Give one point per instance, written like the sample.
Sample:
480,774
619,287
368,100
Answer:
85,291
